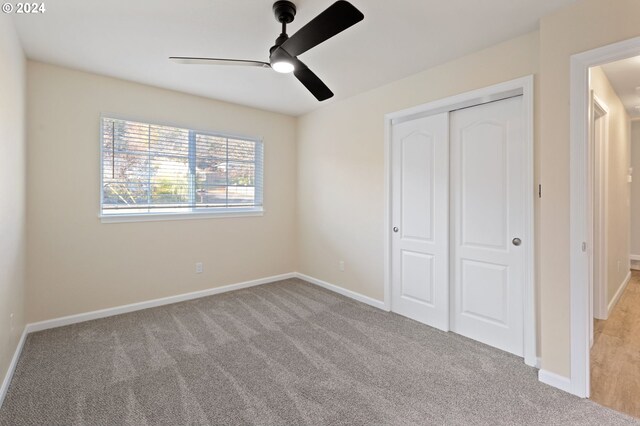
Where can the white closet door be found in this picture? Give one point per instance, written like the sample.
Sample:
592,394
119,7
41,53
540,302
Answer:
488,199
420,210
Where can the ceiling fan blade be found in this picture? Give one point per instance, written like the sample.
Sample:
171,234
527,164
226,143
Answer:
335,19
311,81
218,61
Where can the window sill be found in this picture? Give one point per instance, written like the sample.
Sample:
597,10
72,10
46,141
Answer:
155,217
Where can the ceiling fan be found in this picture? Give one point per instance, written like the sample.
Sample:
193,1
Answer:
283,56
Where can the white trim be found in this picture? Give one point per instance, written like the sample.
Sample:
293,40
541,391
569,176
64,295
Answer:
12,366
387,217
530,319
634,257
108,312
599,172
464,100
117,310
555,380
521,86
616,297
139,119
154,217
580,271
199,213
343,291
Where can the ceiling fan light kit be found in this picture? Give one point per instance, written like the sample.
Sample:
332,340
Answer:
283,56
280,61
283,67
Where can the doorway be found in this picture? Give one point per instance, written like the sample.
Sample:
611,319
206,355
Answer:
614,369
460,223
585,270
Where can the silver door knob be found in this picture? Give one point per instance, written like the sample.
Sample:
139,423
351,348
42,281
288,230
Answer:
395,229
516,241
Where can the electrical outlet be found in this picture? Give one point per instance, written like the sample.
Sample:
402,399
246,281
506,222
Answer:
199,268
11,324
341,265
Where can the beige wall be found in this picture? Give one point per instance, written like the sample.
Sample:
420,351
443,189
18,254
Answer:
340,155
635,188
618,226
12,191
77,264
582,26
341,163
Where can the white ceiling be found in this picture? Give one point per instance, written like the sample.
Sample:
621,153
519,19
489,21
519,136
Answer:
131,39
624,76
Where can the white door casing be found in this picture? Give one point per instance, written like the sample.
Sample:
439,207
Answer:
487,159
598,154
420,238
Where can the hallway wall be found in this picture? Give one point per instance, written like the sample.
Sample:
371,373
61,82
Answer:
635,189
618,226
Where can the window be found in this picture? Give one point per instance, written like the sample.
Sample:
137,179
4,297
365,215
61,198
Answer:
153,170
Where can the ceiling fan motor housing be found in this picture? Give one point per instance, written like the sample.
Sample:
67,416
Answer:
284,11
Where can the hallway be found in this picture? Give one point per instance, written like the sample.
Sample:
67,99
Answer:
615,355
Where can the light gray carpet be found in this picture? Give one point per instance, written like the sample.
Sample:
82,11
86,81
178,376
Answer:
282,353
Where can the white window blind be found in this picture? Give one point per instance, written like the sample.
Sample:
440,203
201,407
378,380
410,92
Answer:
150,169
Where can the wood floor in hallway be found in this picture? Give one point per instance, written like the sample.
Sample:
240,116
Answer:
615,355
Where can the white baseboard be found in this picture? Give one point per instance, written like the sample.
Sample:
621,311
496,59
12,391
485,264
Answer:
117,310
618,295
634,257
555,380
549,378
343,291
103,313
108,312
12,366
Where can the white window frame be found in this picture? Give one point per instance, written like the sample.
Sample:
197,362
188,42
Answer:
183,214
